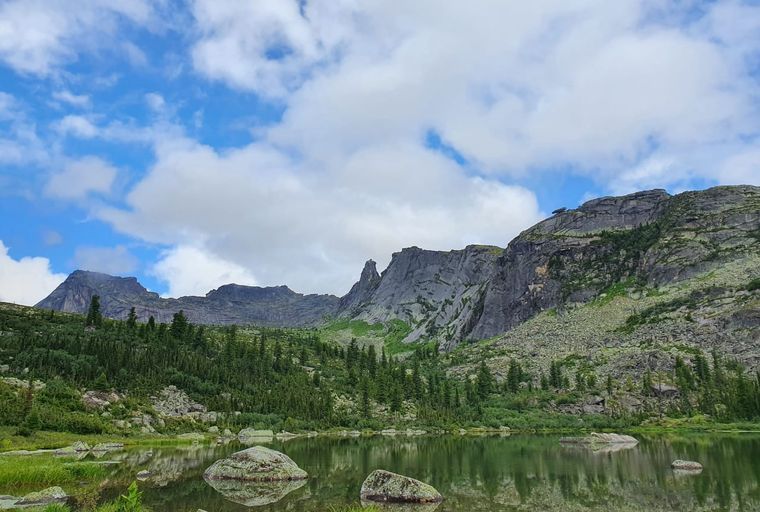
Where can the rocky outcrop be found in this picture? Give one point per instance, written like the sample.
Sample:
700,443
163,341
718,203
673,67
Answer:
174,403
257,464
435,292
44,497
100,399
651,237
361,293
384,486
229,304
648,238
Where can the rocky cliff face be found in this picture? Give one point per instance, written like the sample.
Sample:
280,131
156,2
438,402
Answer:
648,239
435,292
229,304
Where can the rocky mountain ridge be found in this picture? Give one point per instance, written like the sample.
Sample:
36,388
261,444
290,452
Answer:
649,238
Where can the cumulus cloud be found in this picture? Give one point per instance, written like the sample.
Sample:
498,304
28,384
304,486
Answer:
78,126
190,270
110,260
26,281
623,92
76,100
37,36
80,178
309,227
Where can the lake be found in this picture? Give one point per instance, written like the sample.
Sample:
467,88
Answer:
513,473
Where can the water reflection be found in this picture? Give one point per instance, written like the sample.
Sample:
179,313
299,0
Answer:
518,473
255,494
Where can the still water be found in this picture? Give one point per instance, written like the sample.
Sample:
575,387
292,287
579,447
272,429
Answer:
517,473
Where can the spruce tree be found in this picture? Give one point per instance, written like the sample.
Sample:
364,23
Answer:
94,316
132,318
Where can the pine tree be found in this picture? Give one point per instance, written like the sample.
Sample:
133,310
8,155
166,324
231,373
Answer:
132,318
514,375
364,390
101,383
179,325
484,381
94,316
555,375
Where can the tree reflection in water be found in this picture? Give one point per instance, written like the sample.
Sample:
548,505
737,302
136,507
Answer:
517,473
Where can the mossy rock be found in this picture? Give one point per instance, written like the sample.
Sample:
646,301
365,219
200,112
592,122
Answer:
256,464
384,486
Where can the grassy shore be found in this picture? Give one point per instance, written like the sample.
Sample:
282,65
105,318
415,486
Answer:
44,440
46,470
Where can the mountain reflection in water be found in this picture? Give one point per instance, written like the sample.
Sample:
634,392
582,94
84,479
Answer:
517,473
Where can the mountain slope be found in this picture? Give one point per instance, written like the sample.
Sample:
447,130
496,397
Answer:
648,238
229,304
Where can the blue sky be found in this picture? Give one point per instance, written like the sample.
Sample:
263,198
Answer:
197,143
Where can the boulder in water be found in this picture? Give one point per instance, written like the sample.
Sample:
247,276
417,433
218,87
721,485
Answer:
250,436
43,497
257,464
597,439
384,486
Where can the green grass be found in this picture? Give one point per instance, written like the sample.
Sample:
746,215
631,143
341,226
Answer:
357,327
46,470
397,331
44,440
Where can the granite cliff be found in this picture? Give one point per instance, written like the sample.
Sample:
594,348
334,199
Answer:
647,239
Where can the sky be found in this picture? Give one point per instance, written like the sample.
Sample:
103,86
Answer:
267,142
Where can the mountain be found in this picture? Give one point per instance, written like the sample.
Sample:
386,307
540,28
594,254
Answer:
646,239
229,304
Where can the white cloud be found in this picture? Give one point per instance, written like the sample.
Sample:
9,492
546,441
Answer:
193,271
78,126
77,100
513,86
37,36
27,280
311,227
632,93
80,178
155,101
110,260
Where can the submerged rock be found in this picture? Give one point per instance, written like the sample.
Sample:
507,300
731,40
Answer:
107,447
44,497
257,464
384,486
599,439
255,494
686,465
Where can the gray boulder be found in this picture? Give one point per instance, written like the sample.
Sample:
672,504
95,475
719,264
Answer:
43,497
107,447
384,486
256,464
